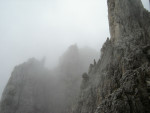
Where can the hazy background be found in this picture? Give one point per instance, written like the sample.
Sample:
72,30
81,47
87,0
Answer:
37,28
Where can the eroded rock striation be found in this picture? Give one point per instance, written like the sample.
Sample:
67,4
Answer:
120,80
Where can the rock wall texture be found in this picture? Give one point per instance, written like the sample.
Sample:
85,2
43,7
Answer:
120,81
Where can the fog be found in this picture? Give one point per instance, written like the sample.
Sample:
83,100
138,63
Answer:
37,28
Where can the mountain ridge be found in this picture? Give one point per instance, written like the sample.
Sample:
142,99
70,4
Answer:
119,82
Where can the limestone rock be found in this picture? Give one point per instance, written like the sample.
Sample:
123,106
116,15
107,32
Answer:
34,89
24,92
119,82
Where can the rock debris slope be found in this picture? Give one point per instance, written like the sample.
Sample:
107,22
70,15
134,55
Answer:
120,81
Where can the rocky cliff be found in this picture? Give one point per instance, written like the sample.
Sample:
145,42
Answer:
34,89
120,81
72,64
23,91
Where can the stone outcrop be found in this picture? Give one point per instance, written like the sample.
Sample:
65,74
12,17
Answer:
72,64
119,82
23,91
34,89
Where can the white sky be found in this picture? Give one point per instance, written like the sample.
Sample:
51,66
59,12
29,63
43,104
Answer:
37,28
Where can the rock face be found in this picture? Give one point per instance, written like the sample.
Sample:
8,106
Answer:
23,91
72,64
120,81
34,89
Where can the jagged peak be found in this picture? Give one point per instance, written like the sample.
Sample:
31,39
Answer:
124,17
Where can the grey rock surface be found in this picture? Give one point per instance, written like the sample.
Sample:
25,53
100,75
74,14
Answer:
23,91
34,89
119,82
72,64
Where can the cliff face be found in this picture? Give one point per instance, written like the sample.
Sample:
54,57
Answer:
72,64
127,18
23,91
34,89
120,81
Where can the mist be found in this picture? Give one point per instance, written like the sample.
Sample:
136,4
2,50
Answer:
47,28
37,28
